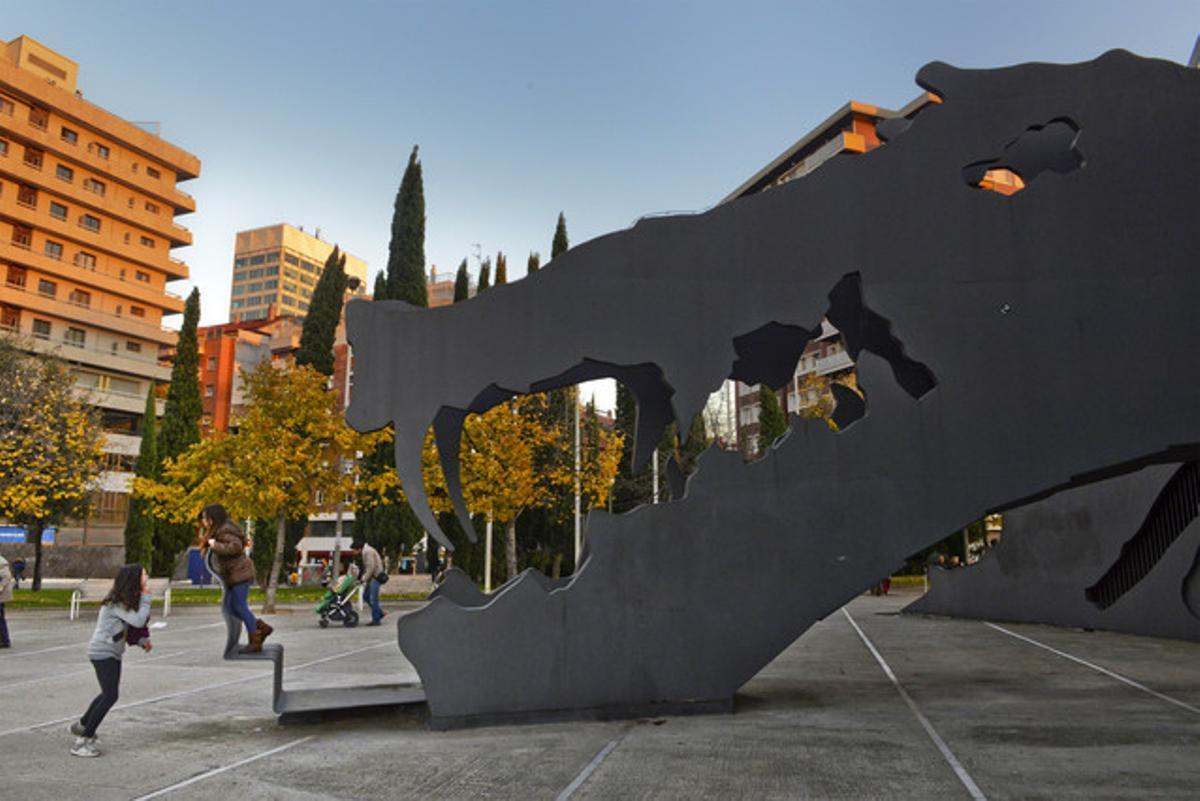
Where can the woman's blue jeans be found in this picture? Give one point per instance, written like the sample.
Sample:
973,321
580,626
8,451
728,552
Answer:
235,603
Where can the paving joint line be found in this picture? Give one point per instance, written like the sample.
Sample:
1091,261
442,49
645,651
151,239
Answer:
947,754
1105,671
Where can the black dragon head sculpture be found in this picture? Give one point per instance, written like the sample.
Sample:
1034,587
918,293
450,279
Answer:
1009,346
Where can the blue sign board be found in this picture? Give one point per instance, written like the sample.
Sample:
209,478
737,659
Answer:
17,534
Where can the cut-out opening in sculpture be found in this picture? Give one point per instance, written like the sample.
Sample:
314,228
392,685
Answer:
1041,147
1173,511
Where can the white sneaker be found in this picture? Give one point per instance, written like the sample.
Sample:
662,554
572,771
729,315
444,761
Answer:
85,747
76,728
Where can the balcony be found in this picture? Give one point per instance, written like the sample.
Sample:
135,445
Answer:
105,359
49,305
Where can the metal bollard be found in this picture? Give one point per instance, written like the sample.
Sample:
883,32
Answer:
74,610
167,602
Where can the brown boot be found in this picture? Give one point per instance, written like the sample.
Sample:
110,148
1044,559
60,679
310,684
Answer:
263,631
260,633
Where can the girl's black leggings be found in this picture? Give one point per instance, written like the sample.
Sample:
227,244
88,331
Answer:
108,672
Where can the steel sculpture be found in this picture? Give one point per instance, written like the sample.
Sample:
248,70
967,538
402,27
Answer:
1009,347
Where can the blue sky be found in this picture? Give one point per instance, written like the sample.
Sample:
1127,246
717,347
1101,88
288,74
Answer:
305,112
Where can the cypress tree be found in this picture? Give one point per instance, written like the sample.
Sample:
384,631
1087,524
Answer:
180,427
630,489
462,283
381,288
501,269
406,251
772,422
324,313
534,264
139,528
560,244
485,273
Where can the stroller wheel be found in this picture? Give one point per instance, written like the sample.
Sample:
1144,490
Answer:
351,619
323,623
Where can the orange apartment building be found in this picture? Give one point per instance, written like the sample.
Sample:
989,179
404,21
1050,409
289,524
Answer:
439,289
851,129
88,203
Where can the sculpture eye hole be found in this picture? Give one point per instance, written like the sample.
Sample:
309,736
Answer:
1041,147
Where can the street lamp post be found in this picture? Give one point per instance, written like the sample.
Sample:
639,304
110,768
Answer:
578,530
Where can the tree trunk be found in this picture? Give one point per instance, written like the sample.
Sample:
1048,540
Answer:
510,548
556,571
35,530
276,562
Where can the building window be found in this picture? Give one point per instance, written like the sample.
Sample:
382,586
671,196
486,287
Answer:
90,222
307,280
75,337
27,196
212,362
254,301
240,262
209,390
151,207
94,186
240,289
47,288
289,273
22,237
41,329
124,386
64,173
237,304
16,276
272,257
133,347
255,287
10,318
290,259
67,135
137,311
256,259
147,241
288,287
85,260
303,306
142,275
53,249
6,106
255,273
307,267
33,157
38,117
99,149
272,270
3,147
272,284
58,211
153,173
304,293
134,167
288,300
80,298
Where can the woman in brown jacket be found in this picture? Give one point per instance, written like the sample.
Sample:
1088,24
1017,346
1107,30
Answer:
228,542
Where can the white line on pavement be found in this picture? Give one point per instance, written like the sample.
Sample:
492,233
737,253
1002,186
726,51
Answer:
194,690
8,685
959,770
1097,668
157,633
210,773
570,789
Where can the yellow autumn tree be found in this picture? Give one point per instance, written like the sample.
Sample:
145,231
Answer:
505,468
51,446
286,449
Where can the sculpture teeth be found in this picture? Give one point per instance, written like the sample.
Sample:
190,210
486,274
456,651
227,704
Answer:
447,433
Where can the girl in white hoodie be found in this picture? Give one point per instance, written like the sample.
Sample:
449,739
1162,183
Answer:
126,605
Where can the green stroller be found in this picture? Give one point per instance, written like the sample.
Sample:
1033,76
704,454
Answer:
336,605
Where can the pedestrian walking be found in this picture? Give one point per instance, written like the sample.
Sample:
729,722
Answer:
228,542
6,595
126,605
372,571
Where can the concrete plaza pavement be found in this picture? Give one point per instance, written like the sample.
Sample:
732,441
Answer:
974,710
